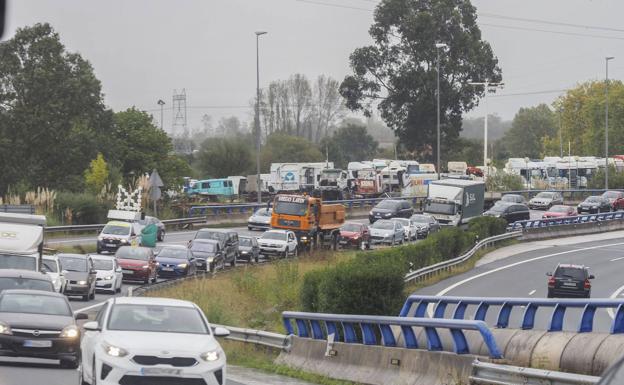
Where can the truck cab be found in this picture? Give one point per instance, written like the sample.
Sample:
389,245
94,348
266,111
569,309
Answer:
21,241
454,202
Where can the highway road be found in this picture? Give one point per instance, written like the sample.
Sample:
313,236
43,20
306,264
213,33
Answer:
524,275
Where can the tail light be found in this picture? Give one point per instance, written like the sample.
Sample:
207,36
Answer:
551,282
587,284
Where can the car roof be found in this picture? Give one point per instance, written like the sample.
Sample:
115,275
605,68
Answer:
277,231
212,231
203,240
135,247
513,195
33,292
70,255
180,247
14,273
151,301
102,257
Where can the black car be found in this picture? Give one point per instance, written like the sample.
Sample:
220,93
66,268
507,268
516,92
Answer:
39,324
208,254
11,279
81,276
248,248
154,221
594,204
228,241
569,281
391,208
513,198
511,212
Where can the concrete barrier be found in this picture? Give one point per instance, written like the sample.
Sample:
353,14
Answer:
571,230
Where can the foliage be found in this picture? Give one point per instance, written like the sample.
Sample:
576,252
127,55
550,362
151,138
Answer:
80,208
616,179
350,143
469,151
484,227
281,148
502,181
472,128
529,127
222,157
96,175
398,72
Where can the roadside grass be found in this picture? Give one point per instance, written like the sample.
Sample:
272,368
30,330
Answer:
261,358
76,249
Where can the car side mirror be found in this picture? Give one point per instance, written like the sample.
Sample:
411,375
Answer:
93,326
63,272
118,270
221,332
549,274
592,276
80,316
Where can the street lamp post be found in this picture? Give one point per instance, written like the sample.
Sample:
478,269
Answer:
161,103
487,86
607,121
438,47
257,117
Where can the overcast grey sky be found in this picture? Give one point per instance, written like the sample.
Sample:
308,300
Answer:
144,49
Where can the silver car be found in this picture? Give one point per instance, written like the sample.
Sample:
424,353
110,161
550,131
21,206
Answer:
425,225
387,232
409,228
545,200
260,220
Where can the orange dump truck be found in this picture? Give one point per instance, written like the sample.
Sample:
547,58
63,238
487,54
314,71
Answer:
309,218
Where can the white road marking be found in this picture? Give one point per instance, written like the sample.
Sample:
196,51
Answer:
532,292
615,295
457,284
616,259
89,307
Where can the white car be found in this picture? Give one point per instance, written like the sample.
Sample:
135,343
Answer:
52,268
137,337
280,243
109,275
409,228
261,219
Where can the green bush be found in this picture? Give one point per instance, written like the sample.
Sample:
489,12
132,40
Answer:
309,292
485,227
84,208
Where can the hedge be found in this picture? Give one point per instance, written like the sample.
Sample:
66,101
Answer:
372,283
85,208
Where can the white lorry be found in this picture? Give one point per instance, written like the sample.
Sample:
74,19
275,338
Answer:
296,177
454,202
21,241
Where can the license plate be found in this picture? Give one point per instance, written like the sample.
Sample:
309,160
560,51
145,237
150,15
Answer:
124,271
167,269
37,344
569,284
110,245
343,242
160,372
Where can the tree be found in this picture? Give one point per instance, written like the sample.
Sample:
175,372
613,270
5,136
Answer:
528,128
328,106
398,72
96,175
281,148
52,117
350,143
472,128
223,157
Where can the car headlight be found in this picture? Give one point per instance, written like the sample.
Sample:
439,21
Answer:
182,265
70,331
304,238
5,329
82,282
210,356
145,266
100,239
114,351
210,260
244,252
387,214
108,277
124,241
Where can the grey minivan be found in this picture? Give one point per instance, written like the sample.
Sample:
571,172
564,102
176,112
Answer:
228,242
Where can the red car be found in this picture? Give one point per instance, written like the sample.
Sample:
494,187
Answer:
616,198
560,211
137,263
355,235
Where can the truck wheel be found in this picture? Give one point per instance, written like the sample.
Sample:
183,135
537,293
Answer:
233,262
296,252
334,243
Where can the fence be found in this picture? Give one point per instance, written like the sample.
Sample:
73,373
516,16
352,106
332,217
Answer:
531,306
538,223
309,326
484,373
17,209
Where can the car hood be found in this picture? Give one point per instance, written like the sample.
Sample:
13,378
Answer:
111,236
173,261
554,214
271,242
422,225
245,248
382,211
148,343
381,232
589,204
131,262
259,219
104,273
77,275
539,200
36,321
203,254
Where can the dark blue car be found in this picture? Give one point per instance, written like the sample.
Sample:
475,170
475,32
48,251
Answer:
175,261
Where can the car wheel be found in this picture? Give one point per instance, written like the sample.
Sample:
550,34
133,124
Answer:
162,236
257,258
148,280
234,261
550,294
98,250
85,297
296,252
249,228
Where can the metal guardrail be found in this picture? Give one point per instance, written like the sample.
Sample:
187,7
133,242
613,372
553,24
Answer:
539,223
258,337
17,209
446,265
309,326
98,227
530,307
484,373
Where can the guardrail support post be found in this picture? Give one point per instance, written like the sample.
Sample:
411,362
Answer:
587,320
556,322
617,327
528,320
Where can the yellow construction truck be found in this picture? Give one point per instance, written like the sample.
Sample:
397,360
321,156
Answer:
314,223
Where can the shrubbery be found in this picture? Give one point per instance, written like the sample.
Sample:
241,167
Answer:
372,283
80,208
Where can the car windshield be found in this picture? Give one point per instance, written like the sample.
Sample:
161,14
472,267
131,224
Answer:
511,198
291,208
206,247
611,194
498,208
103,264
274,235
215,235
245,242
129,252
19,262
570,272
73,264
156,318
440,208
8,283
593,199
421,219
384,225
34,304
50,265
559,209
262,213
351,227
173,252
387,205
116,229
545,195
402,221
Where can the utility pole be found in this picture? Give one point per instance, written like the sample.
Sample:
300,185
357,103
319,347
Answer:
257,117
607,121
161,103
560,135
438,47
488,87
